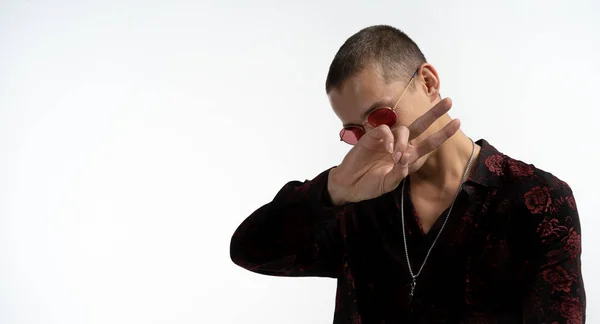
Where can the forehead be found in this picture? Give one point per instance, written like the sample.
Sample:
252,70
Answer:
361,93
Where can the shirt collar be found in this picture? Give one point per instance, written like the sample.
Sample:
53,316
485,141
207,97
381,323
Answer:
488,167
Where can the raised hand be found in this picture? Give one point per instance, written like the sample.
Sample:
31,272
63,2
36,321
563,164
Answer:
383,157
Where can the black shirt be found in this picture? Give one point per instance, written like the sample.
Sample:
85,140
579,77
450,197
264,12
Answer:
510,251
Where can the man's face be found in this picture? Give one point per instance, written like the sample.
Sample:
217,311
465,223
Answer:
368,90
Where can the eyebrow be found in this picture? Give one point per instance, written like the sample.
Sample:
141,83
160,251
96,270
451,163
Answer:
372,107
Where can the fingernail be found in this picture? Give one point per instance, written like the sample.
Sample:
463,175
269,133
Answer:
397,156
391,147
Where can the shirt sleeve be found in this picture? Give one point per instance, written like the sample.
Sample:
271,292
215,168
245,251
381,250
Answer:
555,291
297,234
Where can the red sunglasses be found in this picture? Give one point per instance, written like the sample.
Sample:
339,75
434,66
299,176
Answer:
351,134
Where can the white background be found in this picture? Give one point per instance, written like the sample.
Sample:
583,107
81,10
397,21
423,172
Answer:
135,136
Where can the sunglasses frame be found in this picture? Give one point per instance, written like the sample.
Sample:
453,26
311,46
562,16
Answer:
362,127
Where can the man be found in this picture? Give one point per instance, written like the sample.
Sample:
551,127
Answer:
418,223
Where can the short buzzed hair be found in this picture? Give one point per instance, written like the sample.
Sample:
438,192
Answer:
384,47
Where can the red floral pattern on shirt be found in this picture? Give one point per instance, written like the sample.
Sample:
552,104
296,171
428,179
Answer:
573,244
558,278
494,163
537,199
570,309
571,201
550,227
520,169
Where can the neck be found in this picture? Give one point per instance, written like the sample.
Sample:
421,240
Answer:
444,168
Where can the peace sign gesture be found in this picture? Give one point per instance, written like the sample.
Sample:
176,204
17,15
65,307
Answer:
383,157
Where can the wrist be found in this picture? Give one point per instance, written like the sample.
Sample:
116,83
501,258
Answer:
334,189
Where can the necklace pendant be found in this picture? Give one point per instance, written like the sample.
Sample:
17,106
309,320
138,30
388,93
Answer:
413,285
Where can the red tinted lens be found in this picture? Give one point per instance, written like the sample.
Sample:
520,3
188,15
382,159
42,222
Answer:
351,134
382,116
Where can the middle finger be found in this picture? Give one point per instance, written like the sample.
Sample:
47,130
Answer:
421,124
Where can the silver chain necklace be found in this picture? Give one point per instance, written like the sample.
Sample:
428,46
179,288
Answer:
413,284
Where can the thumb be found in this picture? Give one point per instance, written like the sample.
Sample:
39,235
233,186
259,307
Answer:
378,138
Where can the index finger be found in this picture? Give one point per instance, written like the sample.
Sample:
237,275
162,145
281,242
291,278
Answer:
421,124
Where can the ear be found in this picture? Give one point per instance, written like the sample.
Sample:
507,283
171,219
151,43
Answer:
430,80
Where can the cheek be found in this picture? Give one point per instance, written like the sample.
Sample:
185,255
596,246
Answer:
404,118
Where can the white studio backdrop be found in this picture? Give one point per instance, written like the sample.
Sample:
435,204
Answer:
135,136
